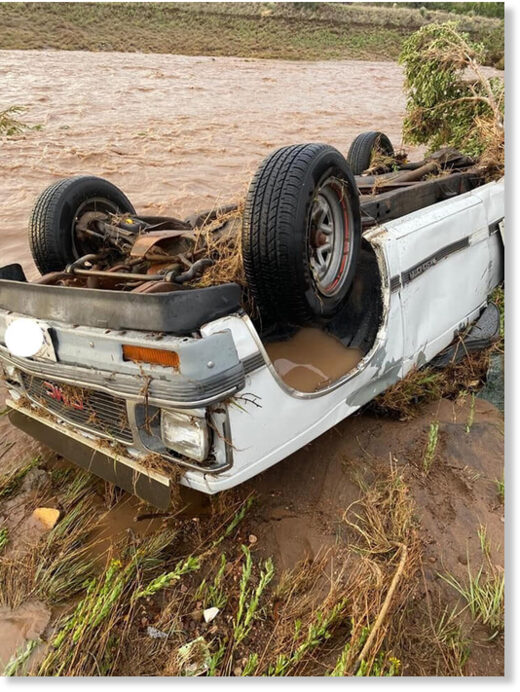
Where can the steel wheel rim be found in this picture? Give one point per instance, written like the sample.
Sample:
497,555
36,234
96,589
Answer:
330,246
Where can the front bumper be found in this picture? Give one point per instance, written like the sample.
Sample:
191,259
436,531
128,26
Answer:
126,473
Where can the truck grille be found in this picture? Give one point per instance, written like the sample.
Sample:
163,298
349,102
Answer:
97,411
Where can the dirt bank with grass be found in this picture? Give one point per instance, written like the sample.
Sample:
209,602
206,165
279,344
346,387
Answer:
366,530
294,31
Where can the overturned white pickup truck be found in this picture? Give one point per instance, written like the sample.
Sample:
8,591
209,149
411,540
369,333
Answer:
117,357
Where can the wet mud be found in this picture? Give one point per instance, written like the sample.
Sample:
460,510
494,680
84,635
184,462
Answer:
19,626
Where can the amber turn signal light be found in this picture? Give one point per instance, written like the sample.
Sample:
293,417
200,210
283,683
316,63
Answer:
156,356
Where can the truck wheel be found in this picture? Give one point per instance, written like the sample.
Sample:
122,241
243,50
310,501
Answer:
364,147
54,238
301,233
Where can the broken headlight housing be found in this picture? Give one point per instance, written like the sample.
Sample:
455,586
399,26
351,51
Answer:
185,433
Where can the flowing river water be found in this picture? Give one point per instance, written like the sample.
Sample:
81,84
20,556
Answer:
178,134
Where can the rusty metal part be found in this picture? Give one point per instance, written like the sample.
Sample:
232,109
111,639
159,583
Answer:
168,223
174,268
192,272
156,287
125,276
398,178
73,266
149,240
52,278
170,243
82,224
417,174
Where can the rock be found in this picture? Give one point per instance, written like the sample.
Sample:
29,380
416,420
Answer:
154,633
194,658
36,478
210,614
46,516
237,672
196,615
252,539
493,391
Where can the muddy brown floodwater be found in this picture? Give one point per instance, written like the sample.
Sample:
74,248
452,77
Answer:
178,134
311,359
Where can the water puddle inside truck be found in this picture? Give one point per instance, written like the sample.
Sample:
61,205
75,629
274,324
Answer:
311,359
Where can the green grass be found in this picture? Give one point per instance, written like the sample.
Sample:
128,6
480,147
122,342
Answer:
249,598
431,447
308,31
483,592
4,538
499,484
484,596
450,635
11,482
471,413
310,620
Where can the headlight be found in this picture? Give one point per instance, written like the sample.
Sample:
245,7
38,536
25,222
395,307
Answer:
185,433
24,337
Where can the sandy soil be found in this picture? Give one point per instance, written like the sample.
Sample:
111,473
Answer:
176,133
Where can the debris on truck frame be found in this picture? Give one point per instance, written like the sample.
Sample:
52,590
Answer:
149,254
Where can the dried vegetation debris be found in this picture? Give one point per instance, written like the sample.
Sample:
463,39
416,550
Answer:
450,98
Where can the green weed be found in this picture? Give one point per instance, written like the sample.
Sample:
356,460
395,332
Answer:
484,596
431,447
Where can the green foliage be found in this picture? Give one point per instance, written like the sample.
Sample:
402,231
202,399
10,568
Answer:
431,447
317,633
471,414
4,537
249,598
163,581
282,30
483,9
20,657
449,100
484,595
499,484
10,123
211,593
12,481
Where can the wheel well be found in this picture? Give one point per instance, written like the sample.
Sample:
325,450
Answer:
357,323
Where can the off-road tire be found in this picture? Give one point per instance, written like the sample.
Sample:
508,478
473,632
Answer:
276,228
362,148
52,218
